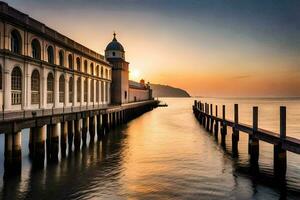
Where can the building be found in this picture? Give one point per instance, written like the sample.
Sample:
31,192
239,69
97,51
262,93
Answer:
123,90
43,69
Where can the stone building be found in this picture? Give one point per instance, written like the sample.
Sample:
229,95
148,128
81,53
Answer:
43,69
123,90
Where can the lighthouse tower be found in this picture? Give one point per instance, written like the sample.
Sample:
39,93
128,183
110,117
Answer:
115,55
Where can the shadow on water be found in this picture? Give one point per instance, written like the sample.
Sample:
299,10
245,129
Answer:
250,170
71,176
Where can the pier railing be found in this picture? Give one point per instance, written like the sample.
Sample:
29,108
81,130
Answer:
282,143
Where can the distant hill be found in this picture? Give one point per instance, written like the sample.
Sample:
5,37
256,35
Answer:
167,91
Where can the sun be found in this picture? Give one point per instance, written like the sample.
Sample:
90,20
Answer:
134,74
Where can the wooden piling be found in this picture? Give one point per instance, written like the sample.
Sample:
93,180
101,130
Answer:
224,126
279,153
70,134
85,122
216,128
235,133
92,128
207,117
253,146
211,128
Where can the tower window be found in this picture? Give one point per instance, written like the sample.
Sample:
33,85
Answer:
114,53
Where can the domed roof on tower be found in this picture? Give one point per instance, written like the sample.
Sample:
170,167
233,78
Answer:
114,45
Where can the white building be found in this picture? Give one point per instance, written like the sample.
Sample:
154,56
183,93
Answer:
41,68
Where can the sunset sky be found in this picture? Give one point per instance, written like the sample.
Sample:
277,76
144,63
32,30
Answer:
208,47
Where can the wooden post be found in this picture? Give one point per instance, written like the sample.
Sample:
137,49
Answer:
204,116
211,119
235,134
92,129
279,152
63,138
85,122
99,131
224,127
216,123
70,134
207,118
253,140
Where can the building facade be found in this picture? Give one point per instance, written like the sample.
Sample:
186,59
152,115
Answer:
124,90
43,69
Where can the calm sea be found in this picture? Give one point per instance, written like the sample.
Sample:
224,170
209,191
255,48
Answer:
165,154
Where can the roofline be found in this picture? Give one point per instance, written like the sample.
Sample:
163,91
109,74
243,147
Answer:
19,18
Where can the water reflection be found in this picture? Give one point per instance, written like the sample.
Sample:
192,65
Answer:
164,154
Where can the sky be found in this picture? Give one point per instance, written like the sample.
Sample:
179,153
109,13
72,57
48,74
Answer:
207,47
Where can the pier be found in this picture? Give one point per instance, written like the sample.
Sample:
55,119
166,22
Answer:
280,141
71,125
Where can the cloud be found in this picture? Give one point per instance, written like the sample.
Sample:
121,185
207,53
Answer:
240,77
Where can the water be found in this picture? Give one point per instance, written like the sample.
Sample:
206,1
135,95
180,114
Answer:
165,154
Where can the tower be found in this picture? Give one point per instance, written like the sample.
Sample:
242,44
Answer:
115,55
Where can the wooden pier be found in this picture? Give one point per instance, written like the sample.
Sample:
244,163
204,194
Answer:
282,143
69,126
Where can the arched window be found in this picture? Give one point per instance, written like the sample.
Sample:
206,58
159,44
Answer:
114,53
61,89
78,63
71,90
97,70
79,89
85,66
0,77
85,97
16,42
102,91
106,92
35,87
50,53
50,88
61,58
16,86
70,60
92,68
101,72
97,91
92,90
36,49
106,73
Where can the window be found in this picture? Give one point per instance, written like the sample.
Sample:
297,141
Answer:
71,90
102,91
78,63
101,72
114,53
70,60
97,70
35,87
85,90
16,86
92,90
79,89
50,88
97,91
61,89
61,58
85,66
125,95
36,49
0,77
106,73
16,42
106,92
50,55
92,68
